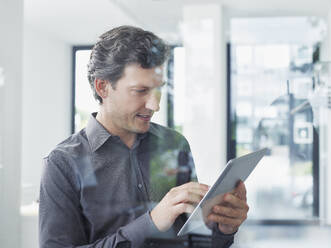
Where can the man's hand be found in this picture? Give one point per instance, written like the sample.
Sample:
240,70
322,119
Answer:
232,212
178,200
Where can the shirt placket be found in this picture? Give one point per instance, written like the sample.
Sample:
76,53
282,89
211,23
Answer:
140,181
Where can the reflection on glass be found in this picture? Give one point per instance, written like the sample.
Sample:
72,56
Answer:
270,112
290,137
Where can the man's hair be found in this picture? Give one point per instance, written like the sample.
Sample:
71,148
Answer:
123,46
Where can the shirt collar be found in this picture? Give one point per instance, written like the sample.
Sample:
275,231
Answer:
96,134
156,130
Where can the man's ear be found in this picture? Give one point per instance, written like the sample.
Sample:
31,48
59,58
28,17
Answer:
101,87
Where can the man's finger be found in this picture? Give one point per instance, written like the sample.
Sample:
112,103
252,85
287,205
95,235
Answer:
186,196
229,212
193,185
198,192
183,208
235,201
240,191
225,220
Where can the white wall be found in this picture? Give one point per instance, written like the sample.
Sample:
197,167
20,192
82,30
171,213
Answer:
46,115
46,100
205,118
11,27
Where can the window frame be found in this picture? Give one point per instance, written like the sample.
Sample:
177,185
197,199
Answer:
73,85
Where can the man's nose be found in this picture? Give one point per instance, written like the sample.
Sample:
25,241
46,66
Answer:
153,101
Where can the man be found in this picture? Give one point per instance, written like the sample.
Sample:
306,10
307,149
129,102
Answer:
115,183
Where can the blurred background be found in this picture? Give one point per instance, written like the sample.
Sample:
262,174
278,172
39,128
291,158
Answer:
242,75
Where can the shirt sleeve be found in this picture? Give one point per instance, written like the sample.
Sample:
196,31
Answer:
219,239
61,222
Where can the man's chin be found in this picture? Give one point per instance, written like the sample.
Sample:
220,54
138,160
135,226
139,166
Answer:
143,128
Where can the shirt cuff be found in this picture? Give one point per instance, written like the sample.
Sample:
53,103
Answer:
140,229
220,239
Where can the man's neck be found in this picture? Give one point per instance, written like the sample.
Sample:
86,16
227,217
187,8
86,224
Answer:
128,138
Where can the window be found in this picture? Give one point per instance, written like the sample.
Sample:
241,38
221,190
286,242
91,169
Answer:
83,100
270,82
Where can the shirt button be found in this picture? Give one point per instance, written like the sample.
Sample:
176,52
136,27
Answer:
140,185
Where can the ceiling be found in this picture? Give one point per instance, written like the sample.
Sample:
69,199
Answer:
80,22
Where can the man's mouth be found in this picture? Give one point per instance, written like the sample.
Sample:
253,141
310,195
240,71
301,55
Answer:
144,117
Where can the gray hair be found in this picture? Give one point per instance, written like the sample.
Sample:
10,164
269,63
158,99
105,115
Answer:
123,46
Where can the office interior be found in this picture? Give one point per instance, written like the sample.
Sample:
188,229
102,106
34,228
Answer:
242,75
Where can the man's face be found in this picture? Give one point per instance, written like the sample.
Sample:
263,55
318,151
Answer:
131,105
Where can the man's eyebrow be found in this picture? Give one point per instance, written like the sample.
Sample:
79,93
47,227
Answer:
137,84
141,85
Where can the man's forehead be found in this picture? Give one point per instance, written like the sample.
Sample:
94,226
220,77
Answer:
146,83
137,74
138,67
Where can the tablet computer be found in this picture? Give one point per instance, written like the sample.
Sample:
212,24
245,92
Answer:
236,169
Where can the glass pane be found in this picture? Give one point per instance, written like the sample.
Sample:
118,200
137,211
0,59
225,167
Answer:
271,83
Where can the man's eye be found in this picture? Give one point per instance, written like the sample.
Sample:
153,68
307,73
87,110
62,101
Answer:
141,90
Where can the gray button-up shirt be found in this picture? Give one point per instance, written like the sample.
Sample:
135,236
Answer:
96,192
